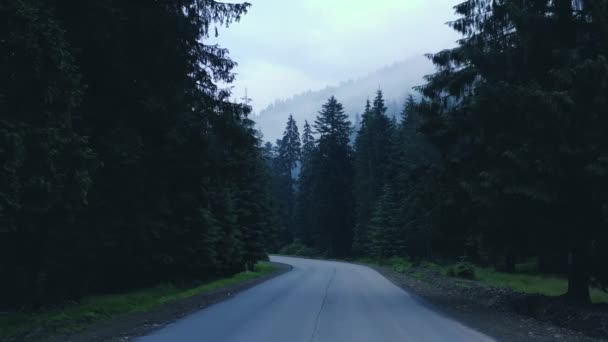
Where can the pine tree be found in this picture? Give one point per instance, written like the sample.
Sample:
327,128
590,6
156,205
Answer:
332,182
290,149
413,183
385,230
119,170
46,164
372,159
304,201
511,111
255,207
286,162
308,142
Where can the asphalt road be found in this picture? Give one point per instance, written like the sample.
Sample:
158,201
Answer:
320,301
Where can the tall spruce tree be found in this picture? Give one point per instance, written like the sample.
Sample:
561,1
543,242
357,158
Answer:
46,164
333,182
290,149
513,110
372,159
120,170
308,142
386,235
288,157
304,201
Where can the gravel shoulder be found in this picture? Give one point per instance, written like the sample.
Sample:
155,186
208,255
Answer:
127,327
501,313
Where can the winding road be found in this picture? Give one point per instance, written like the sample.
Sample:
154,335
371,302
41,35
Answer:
318,301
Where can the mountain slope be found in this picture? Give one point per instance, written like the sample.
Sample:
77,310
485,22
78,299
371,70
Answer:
396,81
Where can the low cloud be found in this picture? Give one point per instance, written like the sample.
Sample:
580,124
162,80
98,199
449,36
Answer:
287,47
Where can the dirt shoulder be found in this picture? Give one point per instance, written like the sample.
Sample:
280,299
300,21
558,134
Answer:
127,327
501,313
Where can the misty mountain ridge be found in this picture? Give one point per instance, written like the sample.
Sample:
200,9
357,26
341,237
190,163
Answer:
396,82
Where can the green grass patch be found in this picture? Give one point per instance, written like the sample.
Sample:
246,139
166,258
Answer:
397,264
366,261
441,269
299,249
418,275
599,296
400,265
535,284
74,318
524,280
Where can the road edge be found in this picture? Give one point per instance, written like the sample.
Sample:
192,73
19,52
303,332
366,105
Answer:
498,325
127,327
528,328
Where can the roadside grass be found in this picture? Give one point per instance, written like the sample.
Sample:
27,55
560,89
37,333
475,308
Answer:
95,309
533,284
524,280
521,282
526,283
300,250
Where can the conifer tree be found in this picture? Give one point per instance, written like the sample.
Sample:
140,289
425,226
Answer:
308,142
511,110
287,160
385,229
332,182
290,149
372,153
119,170
304,198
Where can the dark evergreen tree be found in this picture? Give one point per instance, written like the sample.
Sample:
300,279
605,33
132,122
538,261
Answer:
288,159
290,148
372,159
412,179
283,160
385,229
47,165
308,142
515,112
304,201
333,182
120,170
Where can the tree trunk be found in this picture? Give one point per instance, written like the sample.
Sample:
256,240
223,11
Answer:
578,277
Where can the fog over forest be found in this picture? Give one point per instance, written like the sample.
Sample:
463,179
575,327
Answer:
284,49
396,81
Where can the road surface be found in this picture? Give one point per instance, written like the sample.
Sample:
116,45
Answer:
318,301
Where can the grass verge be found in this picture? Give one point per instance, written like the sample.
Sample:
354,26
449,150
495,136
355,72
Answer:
535,284
95,309
520,282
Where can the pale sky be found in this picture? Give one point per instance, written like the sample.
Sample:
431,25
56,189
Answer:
285,47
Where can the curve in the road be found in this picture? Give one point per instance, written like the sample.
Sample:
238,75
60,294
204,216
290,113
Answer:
320,301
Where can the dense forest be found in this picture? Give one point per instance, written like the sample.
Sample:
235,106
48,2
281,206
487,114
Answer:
123,163
504,158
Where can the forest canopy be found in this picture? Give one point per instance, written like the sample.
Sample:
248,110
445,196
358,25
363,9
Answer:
502,160
124,163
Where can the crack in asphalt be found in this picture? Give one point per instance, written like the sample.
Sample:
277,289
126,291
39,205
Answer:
314,332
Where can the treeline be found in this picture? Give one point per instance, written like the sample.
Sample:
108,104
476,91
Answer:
123,163
504,158
316,210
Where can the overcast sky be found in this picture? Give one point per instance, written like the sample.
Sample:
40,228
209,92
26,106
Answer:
285,47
